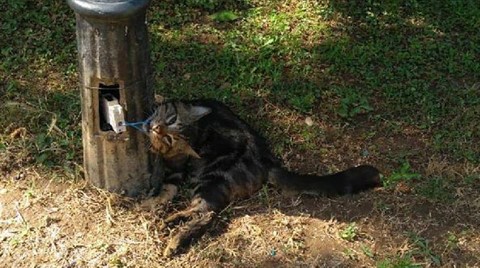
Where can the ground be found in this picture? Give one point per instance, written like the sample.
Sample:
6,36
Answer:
54,221
331,84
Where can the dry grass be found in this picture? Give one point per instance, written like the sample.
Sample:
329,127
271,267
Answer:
47,223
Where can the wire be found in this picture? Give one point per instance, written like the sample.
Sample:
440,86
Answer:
138,125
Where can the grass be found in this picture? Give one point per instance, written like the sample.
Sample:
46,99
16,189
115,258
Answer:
403,174
350,232
420,250
393,83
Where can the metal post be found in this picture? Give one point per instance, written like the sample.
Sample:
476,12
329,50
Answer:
114,68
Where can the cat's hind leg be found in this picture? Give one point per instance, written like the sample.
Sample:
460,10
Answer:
183,236
198,217
213,195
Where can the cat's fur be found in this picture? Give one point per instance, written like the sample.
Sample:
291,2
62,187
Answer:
233,163
172,145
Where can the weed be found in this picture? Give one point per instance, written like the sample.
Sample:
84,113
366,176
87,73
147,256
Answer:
350,232
300,94
351,254
472,179
422,248
205,4
116,262
265,196
20,237
382,206
452,240
352,104
224,16
367,251
436,189
404,261
404,173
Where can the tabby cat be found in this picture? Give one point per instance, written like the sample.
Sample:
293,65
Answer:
226,160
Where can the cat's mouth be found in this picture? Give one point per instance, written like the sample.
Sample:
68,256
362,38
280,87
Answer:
168,139
158,138
162,142
157,130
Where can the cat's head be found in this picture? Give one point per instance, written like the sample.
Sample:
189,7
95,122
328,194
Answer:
172,118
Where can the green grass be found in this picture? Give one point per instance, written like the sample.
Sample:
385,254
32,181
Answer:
403,174
422,247
38,85
408,61
350,232
420,250
438,189
398,262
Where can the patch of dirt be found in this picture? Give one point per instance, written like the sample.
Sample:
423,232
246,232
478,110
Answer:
47,223
323,246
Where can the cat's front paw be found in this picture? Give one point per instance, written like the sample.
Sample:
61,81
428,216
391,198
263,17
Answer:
169,191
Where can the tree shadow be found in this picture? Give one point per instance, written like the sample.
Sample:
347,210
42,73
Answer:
389,73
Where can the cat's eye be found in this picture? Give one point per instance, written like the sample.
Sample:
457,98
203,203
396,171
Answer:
171,119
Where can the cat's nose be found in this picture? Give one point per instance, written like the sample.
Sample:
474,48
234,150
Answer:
156,128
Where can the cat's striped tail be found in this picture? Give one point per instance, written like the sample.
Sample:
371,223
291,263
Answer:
349,181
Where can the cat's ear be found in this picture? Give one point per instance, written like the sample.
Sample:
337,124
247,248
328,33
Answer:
159,99
197,112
